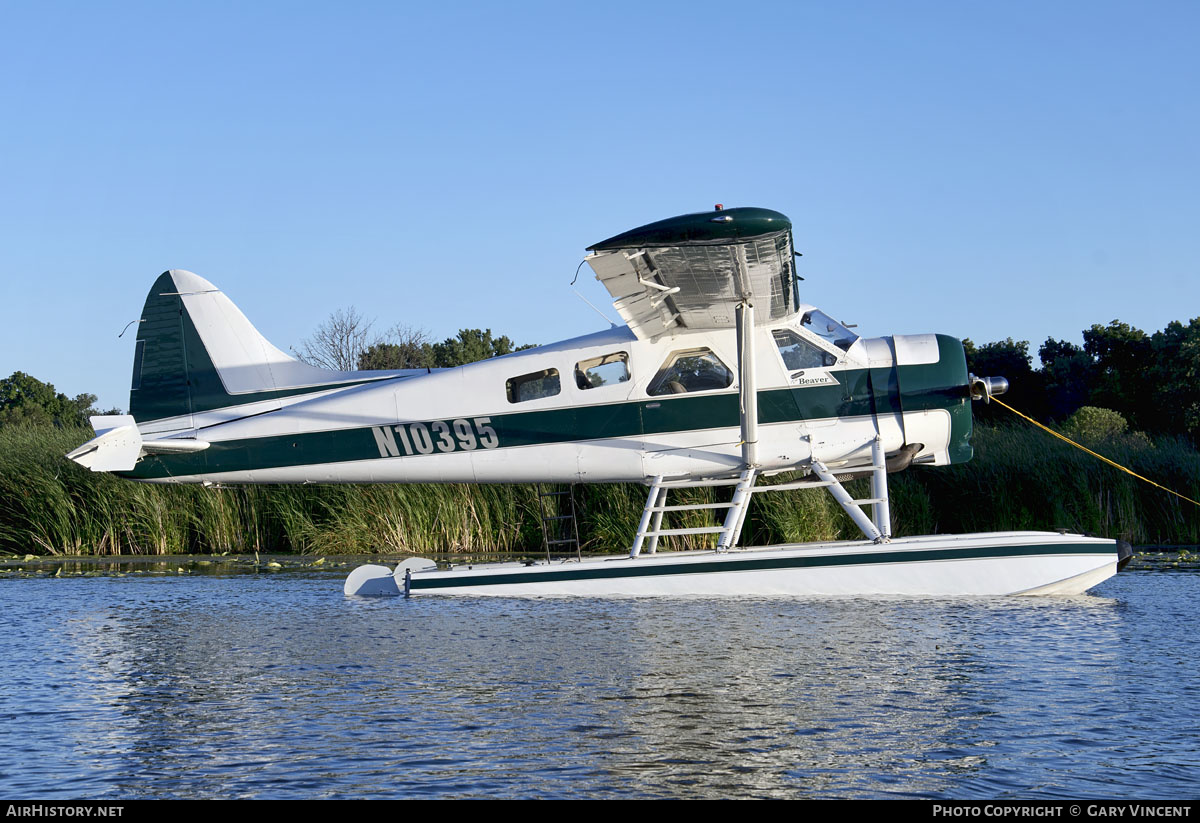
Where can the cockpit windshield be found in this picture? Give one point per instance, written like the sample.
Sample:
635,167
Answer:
831,330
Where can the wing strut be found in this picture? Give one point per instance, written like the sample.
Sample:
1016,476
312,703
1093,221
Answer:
747,383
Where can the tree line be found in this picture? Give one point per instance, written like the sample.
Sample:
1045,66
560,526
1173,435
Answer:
347,341
25,400
1151,380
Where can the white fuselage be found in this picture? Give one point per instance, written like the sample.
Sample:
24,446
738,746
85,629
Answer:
464,425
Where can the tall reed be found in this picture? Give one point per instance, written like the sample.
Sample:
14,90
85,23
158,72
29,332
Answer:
1020,479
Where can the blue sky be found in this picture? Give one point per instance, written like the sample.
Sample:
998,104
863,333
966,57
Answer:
1019,169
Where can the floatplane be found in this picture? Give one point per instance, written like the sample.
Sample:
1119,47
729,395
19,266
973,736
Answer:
721,376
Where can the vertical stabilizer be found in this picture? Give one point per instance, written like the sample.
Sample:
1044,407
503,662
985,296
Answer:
197,352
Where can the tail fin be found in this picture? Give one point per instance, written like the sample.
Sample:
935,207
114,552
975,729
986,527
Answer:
197,352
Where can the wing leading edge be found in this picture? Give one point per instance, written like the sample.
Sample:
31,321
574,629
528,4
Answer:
691,271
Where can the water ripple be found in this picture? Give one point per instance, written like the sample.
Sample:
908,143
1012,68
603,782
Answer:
277,686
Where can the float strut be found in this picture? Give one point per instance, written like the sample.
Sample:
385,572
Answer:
656,520
848,503
881,509
736,516
648,515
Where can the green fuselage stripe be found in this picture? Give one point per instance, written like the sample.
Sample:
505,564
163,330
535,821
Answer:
735,564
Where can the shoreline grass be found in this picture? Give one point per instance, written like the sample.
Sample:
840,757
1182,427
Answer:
1020,479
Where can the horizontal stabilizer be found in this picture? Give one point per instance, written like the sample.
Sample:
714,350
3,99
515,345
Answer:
118,445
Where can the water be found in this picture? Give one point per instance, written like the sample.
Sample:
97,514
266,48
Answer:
275,685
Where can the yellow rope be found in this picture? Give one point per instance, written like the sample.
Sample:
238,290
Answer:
1092,453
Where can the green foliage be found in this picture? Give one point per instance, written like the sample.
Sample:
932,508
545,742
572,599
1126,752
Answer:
413,352
53,506
470,346
1123,356
1007,358
1022,478
1054,350
1152,381
1066,377
25,400
1095,425
796,516
391,356
1004,357
1174,375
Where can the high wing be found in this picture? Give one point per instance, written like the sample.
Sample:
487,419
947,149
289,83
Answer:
692,271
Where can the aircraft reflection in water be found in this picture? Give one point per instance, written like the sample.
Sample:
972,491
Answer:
208,685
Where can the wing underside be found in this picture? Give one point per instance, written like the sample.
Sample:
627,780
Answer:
695,281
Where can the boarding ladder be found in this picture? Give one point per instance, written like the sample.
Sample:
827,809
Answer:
560,524
650,528
876,527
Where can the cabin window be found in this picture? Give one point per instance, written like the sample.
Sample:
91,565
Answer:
602,371
830,330
798,353
690,371
533,386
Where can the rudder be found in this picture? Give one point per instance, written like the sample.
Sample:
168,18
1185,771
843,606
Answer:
197,352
